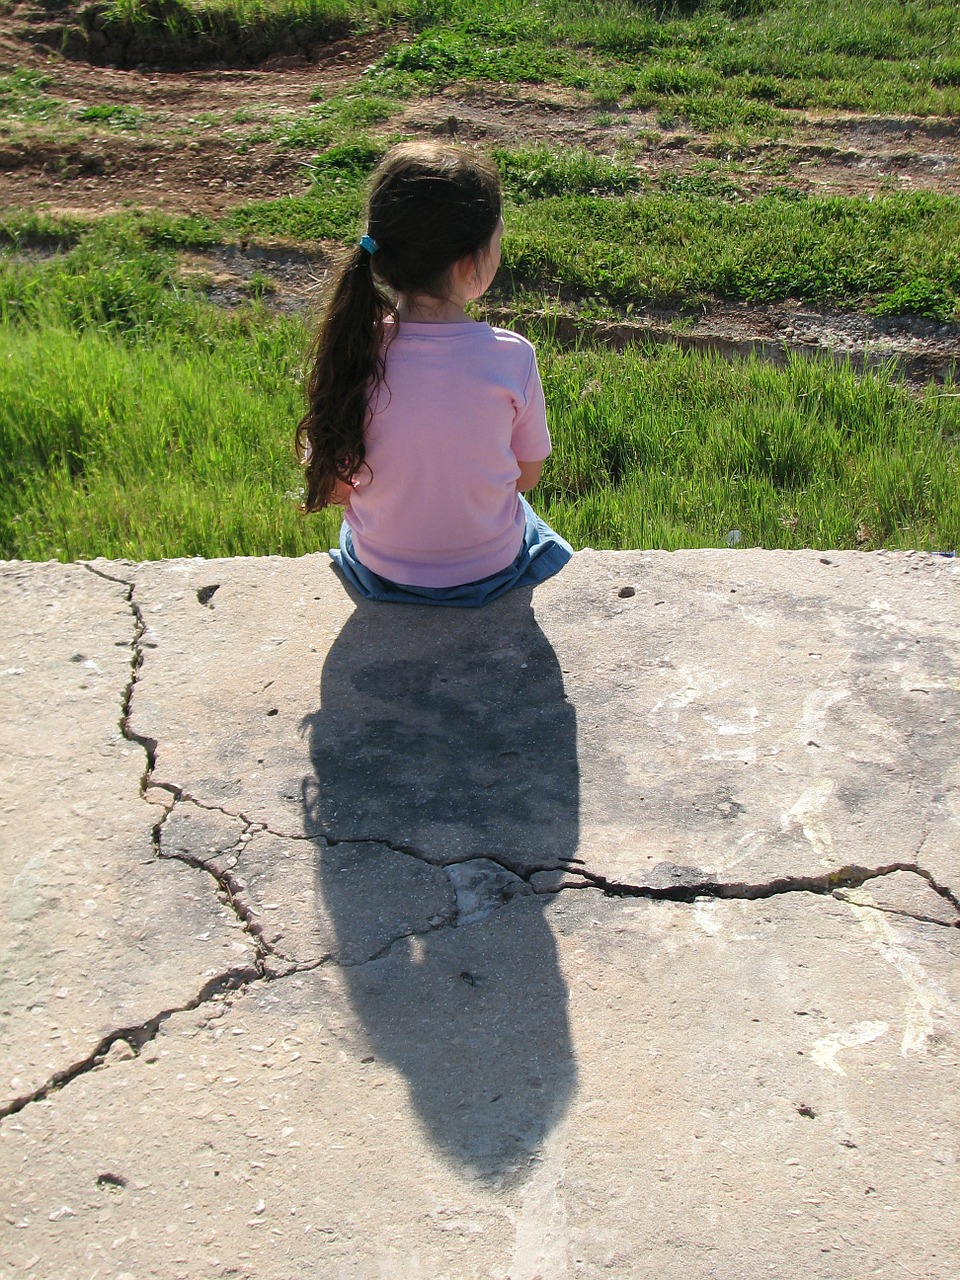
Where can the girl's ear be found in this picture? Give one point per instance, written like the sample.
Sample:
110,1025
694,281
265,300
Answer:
466,278
464,273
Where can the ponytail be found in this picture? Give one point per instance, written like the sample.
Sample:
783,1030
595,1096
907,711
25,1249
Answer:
346,366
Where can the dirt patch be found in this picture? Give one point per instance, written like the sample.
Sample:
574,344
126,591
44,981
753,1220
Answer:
836,155
206,142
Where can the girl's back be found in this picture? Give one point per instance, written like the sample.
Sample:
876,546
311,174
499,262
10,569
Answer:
437,502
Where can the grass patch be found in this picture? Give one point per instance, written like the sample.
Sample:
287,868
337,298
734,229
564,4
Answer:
137,420
23,101
178,33
899,251
896,253
337,118
531,173
665,449
714,64
116,115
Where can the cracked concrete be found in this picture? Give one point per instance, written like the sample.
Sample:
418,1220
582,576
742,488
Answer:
611,930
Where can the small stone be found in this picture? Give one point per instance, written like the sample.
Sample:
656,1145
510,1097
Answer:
120,1051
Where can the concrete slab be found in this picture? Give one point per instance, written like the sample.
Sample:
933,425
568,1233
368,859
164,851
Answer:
574,1086
99,937
609,930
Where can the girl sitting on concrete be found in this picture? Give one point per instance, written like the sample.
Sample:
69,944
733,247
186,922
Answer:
427,426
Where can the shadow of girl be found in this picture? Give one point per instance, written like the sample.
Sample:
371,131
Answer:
444,762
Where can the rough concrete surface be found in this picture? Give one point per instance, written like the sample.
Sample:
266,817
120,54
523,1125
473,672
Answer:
611,930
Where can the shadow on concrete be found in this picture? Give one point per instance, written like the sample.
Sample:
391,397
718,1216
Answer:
444,752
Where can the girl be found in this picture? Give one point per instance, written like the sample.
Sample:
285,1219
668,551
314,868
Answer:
425,425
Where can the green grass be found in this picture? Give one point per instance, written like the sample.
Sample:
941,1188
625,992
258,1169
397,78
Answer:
136,420
532,173
895,253
116,115
715,64
663,449
139,418
25,105
23,100
181,22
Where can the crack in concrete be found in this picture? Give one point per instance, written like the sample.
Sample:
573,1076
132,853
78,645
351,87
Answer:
135,1037
149,745
231,889
227,885
841,896
846,877
445,922
239,978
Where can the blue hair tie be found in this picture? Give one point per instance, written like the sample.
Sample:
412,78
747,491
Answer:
368,243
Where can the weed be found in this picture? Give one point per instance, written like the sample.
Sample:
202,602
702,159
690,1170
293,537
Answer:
22,97
533,172
116,115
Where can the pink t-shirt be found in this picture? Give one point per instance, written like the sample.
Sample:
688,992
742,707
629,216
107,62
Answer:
460,406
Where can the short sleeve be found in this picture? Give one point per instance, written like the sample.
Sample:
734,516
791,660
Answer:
530,441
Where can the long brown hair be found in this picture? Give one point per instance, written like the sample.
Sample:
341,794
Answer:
430,205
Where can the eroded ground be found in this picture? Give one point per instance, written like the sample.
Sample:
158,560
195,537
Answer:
206,141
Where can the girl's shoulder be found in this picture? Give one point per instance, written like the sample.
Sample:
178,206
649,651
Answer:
512,350
509,338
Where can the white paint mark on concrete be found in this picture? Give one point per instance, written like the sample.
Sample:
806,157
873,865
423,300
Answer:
812,723
750,842
541,1250
807,813
740,755
825,1050
924,996
727,728
392,1267
693,685
705,915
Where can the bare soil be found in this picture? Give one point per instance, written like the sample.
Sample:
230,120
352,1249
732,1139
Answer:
201,149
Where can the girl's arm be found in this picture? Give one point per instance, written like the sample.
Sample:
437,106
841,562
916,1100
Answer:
530,473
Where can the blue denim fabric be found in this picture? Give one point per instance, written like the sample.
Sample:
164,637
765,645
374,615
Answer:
542,554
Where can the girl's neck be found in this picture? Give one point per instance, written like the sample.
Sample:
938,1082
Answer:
422,309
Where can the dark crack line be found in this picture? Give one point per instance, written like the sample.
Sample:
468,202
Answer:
227,885
523,871
841,896
149,745
216,990
232,891
446,922
134,1036
848,877
229,888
